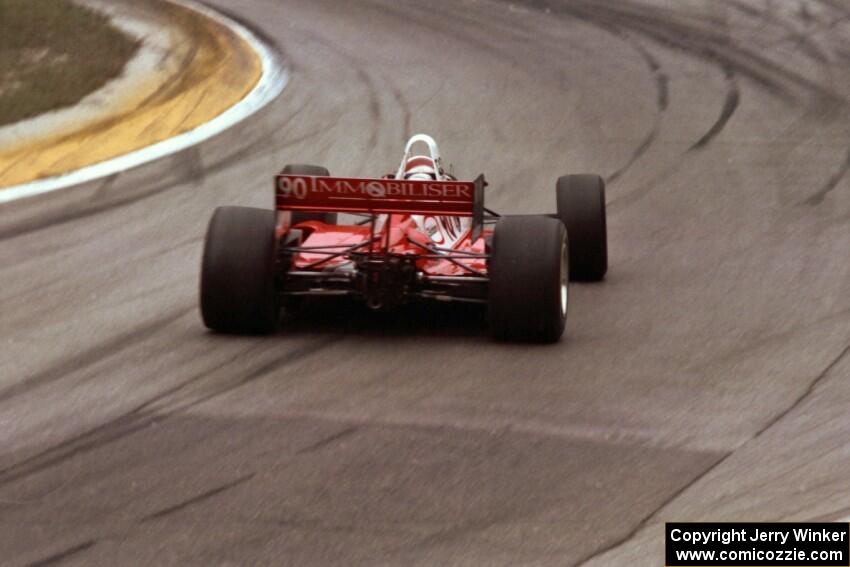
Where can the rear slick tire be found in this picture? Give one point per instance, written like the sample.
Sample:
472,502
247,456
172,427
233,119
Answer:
529,279
238,293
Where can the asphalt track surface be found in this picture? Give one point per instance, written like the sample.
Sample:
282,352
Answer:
706,378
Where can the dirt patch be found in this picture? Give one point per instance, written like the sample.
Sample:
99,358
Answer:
53,53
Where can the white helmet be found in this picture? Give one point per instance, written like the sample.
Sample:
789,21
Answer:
420,168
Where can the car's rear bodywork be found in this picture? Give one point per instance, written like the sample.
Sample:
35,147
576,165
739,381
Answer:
389,256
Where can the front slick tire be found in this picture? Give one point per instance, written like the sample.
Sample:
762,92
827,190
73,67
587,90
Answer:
581,207
237,275
529,279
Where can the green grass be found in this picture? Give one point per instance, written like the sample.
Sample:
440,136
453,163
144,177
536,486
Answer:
53,53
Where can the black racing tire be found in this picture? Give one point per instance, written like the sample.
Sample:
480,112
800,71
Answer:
238,272
317,171
529,279
581,207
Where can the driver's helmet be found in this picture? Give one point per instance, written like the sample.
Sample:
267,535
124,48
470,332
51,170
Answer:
421,168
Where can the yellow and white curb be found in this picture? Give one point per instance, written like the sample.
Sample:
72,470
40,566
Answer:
174,118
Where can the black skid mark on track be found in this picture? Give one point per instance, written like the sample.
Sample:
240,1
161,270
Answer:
267,144
800,39
193,166
398,96
90,440
744,7
730,105
653,30
363,76
818,197
276,363
143,415
815,53
616,25
168,394
91,356
329,440
662,101
206,495
840,8
458,533
805,14
374,105
734,60
706,44
264,144
57,558
830,184
105,186
447,26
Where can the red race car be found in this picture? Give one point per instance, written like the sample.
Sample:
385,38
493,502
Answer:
418,233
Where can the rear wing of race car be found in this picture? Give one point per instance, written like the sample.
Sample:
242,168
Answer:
383,196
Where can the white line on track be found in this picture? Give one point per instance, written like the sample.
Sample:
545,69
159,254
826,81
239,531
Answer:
271,84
